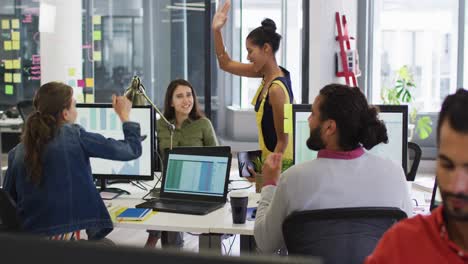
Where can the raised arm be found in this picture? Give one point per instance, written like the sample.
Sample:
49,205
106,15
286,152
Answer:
225,62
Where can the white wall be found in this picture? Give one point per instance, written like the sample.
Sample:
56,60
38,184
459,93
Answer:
323,45
61,48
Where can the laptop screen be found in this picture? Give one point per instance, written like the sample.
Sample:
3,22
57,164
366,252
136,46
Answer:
196,174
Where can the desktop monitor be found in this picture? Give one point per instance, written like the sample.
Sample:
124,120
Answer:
102,119
394,116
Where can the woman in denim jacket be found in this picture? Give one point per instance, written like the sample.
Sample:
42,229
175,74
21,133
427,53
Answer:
49,172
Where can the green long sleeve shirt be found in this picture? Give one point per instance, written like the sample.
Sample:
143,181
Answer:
193,133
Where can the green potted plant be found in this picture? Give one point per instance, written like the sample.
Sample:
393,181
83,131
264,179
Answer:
401,93
258,166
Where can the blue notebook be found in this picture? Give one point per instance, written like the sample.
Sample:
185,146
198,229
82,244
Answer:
134,214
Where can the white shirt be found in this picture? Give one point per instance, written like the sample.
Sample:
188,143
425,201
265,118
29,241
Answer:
331,182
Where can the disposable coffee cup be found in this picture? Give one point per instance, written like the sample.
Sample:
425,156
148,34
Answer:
239,201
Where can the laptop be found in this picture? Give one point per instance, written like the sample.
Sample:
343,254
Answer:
194,180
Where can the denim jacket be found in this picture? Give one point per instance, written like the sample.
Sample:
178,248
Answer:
66,200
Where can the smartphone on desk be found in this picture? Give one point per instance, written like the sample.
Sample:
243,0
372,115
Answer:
245,159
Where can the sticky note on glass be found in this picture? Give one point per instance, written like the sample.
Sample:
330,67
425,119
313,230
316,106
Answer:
89,82
16,64
288,118
16,77
97,56
72,83
81,83
8,77
97,20
15,45
15,35
89,98
97,35
8,64
9,89
5,24
15,24
71,72
7,45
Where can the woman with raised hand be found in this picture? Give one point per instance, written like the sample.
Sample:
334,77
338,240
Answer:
274,92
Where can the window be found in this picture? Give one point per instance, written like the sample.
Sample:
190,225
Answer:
422,36
247,15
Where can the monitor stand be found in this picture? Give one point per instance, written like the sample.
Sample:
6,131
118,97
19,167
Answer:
111,190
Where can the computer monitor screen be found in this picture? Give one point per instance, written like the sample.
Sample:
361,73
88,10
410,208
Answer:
394,116
101,118
196,174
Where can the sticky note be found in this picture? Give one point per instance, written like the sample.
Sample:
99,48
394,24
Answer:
9,89
7,45
89,82
8,77
16,64
287,118
72,83
89,98
96,20
8,64
17,77
97,35
97,56
79,97
15,45
71,71
5,24
15,35
81,83
15,23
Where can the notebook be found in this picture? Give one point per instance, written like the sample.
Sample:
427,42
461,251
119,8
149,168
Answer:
134,214
194,180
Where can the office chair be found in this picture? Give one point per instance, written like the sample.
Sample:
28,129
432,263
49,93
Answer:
413,147
9,220
25,108
339,235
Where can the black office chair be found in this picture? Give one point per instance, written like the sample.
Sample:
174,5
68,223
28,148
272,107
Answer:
9,220
415,154
339,235
25,108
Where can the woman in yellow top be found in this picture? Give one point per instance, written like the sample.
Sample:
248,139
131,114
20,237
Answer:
274,91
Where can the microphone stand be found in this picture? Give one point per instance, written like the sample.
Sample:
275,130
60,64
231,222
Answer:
134,93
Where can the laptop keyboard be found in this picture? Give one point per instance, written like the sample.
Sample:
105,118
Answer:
178,205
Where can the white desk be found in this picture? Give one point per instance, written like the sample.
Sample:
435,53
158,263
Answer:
211,226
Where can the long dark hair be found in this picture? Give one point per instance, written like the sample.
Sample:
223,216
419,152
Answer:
41,126
266,33
169,111
357,122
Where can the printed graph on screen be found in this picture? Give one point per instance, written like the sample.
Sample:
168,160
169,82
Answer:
103,120
194,174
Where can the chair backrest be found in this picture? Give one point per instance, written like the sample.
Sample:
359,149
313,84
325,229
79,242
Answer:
416,155
9,220
339,235
25,108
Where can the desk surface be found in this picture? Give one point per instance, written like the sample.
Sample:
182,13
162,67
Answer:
218,221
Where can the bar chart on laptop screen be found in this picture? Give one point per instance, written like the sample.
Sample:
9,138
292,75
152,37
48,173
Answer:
301,134
196,174
105,122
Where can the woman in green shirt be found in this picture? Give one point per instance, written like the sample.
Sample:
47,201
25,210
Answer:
192,128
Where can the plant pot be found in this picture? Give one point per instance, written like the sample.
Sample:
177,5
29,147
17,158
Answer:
258,183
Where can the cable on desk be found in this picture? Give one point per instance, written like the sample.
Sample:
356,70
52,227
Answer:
159,178
241,188
232,243
139,185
